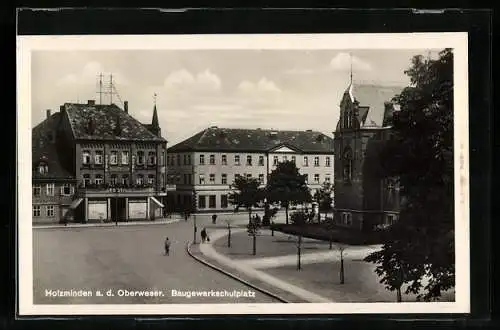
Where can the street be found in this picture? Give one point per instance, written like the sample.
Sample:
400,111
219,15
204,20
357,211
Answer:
130,258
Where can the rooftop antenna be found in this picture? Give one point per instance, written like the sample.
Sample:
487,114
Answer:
154,98
100,88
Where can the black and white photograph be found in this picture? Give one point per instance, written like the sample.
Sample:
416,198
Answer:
251,174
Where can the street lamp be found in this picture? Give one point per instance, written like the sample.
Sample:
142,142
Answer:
228,233
341,248
194,228
299,245
116,191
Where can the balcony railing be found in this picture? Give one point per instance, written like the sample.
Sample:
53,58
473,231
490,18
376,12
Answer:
91,189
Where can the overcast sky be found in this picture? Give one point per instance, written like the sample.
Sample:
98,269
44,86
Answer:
277,89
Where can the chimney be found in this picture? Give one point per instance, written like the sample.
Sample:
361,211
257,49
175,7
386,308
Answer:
125,106
91,102
48,113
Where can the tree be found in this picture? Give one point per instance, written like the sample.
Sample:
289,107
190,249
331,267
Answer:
247,194
286,185
323,197
420,153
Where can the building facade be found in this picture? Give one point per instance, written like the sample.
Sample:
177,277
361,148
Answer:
364,199
114,165
206,164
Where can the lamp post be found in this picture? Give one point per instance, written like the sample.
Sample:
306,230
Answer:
341,264
299,245
194,228
115,190
228,233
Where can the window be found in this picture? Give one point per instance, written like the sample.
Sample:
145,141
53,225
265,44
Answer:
140,158
261,178
86,180
151,179
249,160
113,158
347,218
224,160
189,159
223,201
261,160
212,178
249,176
306,176
113,179
43,168
236,176
211,201
212,159
37,190
306,161
237,160
347,165
327,161
50,189
178,160
86,157
293,159
285,158
316,178
275,160
36,210
327,178
202,159
202,202
162,159
125,179
139,179
316,161
50,211
125,157
185,159
390,219
152,158
98,157
224,179
98,179
66,189
202,179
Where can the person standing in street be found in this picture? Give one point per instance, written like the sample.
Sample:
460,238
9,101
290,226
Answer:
203,235
214,218
167,246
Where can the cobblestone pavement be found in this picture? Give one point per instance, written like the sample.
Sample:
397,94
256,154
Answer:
129,258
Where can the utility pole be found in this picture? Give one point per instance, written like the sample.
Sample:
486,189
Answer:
100,88
299,245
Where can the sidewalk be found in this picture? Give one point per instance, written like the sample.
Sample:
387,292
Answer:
161,221
263,279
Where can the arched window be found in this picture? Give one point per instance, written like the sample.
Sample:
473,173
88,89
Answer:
347,164
43,168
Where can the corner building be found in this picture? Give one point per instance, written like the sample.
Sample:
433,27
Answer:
205,165
364,199
104,165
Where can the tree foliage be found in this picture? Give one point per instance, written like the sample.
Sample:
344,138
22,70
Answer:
420,152
286,185
246,193
324,198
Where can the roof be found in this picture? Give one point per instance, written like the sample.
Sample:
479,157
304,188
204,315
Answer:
375,97
107,122
255,140
44,150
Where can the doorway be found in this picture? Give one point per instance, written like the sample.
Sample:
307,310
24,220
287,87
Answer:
118,209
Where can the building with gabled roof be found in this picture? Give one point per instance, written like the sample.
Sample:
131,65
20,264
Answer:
114,165
364,199
205,164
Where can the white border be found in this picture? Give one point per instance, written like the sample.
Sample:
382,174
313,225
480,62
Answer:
457,41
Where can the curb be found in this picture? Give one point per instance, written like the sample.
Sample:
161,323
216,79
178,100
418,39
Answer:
109,224
220,270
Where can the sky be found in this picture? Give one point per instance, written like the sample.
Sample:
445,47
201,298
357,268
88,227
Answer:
196,89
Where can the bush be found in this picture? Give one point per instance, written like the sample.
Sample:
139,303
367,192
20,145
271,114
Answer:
268,215
299,218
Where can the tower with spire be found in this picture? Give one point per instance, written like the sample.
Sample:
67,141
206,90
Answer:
154,127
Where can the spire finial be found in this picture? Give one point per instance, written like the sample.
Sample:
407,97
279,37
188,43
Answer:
154,98
350,55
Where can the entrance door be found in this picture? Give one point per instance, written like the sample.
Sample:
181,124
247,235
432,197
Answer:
118,209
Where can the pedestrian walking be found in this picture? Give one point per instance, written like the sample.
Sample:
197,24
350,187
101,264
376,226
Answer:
203,235
167,246
214,218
